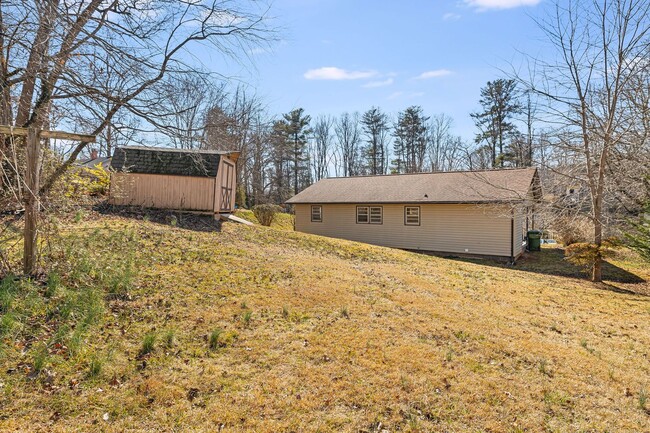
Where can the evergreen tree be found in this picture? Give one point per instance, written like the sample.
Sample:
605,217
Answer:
639,237
295,126
499,102
410,145
376,129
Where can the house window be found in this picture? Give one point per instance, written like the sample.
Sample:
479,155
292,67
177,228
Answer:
412,215
369,215
376,215
317,214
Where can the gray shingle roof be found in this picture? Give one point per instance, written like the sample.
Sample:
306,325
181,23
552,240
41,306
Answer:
159,160
489,186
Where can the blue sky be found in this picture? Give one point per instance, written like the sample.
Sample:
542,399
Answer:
346,55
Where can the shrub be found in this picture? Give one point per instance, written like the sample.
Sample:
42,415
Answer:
99,180
265,213
584,254
569,231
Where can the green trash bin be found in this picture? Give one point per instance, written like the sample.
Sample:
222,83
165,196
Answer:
534,240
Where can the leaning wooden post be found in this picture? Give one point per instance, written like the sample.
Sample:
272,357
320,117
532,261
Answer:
32,201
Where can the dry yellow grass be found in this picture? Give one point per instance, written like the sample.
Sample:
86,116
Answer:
328,335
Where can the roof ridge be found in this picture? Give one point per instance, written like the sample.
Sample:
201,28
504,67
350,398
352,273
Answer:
176,150
487,170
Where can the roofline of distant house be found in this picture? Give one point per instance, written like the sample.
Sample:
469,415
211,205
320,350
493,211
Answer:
173,149
510,201
487,170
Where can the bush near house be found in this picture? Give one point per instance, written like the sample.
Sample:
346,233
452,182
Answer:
265,213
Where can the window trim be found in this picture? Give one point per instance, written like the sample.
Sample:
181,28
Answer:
320,213
406,223
368,215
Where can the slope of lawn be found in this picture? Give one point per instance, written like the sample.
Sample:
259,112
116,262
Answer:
144,326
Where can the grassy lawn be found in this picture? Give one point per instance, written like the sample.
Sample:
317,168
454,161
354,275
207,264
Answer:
152,327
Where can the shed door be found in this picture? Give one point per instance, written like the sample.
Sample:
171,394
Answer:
227,181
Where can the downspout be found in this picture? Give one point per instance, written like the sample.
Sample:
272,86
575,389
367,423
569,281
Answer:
512,237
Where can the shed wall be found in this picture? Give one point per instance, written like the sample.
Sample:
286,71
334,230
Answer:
163,191
453,228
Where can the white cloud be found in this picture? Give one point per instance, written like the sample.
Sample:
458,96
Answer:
483,5
381,83
333,73
433,74
450,16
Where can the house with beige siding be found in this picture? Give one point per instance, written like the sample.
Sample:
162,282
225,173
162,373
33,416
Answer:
166,178
482,213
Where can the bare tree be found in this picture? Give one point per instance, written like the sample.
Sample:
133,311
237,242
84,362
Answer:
48,49
183,106
600,47
348,136
445,151
321,149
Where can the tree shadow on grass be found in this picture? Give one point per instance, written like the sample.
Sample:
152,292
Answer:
550,261
183,220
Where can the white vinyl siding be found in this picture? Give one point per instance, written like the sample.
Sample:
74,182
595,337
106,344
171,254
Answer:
452,228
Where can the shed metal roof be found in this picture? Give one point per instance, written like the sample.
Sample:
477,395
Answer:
488,186
160,160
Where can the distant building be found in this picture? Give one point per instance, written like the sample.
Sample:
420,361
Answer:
474,212
94,161
166,178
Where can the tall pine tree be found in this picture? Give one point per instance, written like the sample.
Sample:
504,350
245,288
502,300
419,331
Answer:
376,129
410,146
295,126
500,105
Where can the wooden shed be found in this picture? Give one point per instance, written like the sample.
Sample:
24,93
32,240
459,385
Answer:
177,179
481,213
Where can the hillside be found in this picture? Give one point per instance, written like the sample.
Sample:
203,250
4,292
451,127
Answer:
148,326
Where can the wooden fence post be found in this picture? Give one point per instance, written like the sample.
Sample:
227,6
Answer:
32,201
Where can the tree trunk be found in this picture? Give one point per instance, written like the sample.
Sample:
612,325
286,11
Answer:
597,270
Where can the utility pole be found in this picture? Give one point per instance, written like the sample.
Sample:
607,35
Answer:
31,179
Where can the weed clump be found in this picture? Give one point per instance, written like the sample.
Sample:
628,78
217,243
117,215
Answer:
246,317
95,366
169,338
220,338
148,344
